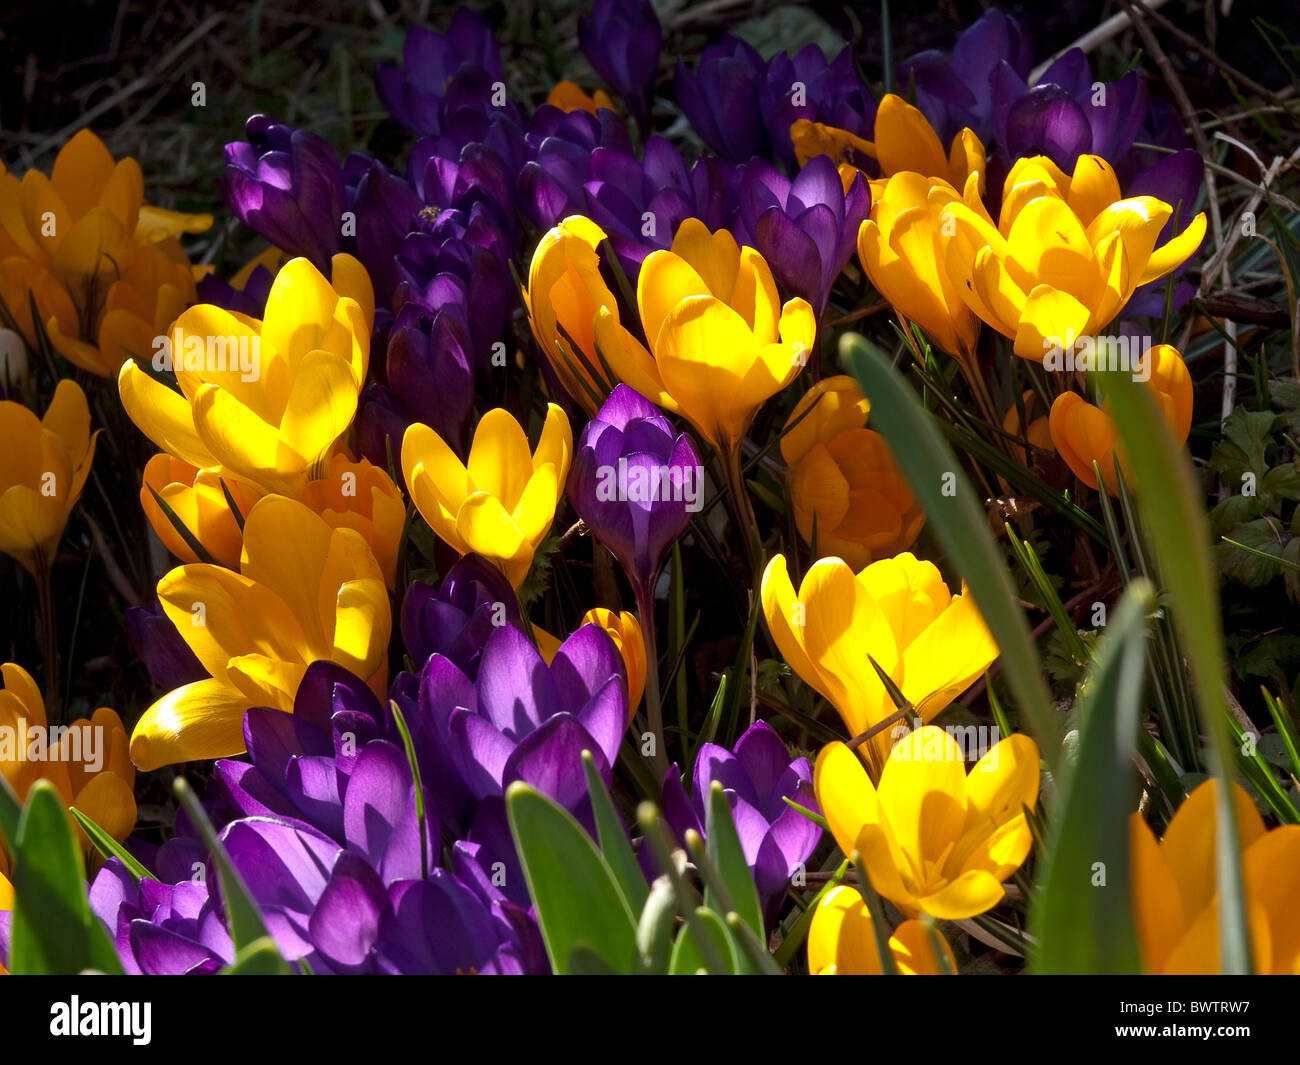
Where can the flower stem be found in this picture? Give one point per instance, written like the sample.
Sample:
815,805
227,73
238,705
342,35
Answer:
645,607
741,508
49,636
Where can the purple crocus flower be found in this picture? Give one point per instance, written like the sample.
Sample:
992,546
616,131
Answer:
430,380
165,655
720,100
1175,179
953,91
249,300
161,929
456,620
634,481
622,40
640,203
519,720
757,775
437,66
742,106
288,186
1067,113
561,144
805,228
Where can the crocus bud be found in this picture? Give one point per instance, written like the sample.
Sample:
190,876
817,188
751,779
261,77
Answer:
635,483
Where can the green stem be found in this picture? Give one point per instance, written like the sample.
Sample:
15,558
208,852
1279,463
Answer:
645,607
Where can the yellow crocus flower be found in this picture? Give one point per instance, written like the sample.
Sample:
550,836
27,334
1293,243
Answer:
931,838
267,400
1065,257
304,592
43,466
500,503
88,764
1175,893
842,942
898,611
196,498
721,342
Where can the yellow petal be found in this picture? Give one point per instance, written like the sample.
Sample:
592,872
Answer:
200,720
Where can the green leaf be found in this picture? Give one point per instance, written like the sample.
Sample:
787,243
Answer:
11,810
414,764
109,847
614,844
242,912
584,961
577,896
728,857
1082,927
687,956
54,930
261,957
788,28
1171,508
959,524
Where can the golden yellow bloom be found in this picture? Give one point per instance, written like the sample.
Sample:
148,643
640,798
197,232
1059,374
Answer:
304,592
625,631
899,248
569,96
1065,256
721,343
931,838
359,495
932,644
844,482
904,141
841,941
1175,893
502,502
266,400
87,762
43,466
565,295
1084,434
105,268
196,498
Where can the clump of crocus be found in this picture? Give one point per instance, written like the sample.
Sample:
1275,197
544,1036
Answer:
931,838
757,776
845,487
104,270
267,400
304,592
898,612
1083,433
86,760
842,941
1175,900
1065,256
44,463
501,502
